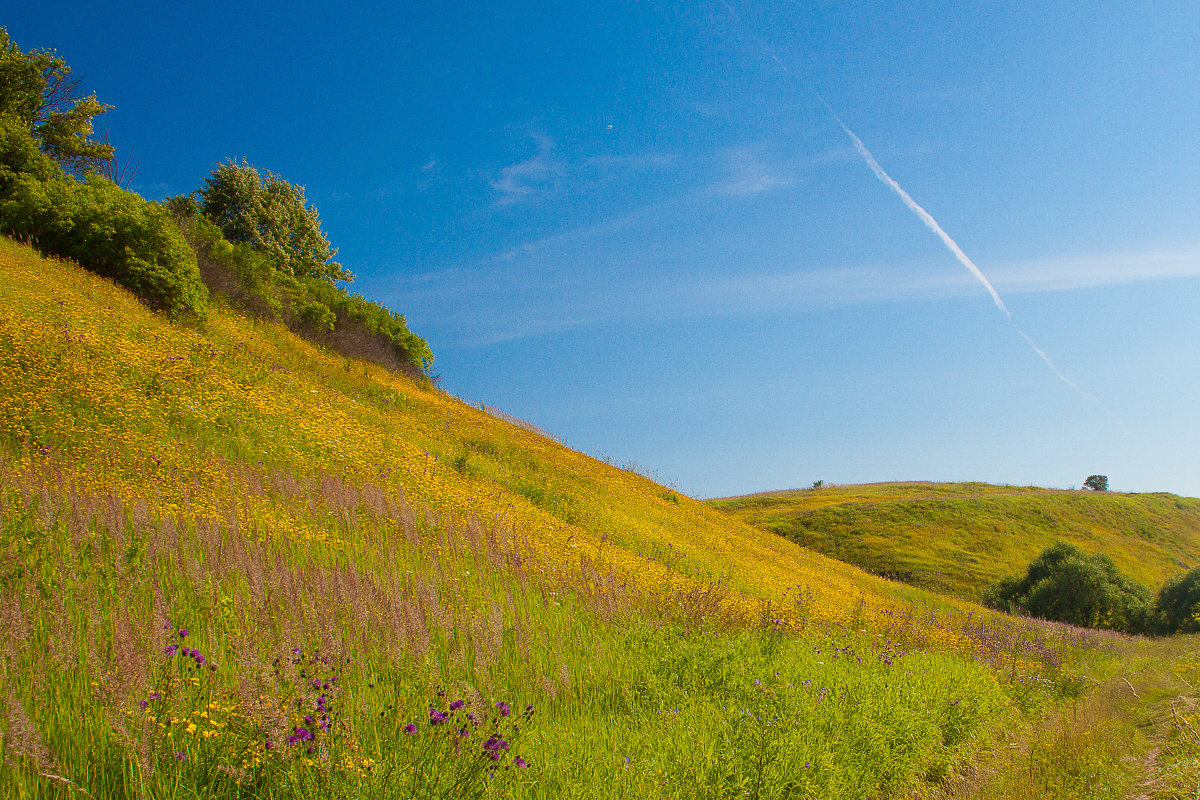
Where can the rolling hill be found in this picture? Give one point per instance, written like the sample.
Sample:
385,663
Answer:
958,538
234,564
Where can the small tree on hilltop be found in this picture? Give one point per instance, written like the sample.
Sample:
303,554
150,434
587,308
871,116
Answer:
1097,483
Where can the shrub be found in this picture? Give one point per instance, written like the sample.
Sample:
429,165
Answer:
109,231
237,272
1064,584
1177,609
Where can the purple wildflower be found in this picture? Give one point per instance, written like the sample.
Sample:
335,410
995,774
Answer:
504,709
183,632
171,649
520,763
456,705
436,717
180,756
410,729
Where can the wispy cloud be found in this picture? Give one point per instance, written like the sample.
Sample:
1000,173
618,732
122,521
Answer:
523,180
532,293
748,173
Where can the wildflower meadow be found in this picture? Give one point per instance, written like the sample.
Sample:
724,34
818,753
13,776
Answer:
235,565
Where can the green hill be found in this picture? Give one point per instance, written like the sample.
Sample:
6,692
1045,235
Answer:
958,538
235,565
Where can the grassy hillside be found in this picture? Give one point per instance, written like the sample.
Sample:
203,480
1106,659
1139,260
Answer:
958,538
232,565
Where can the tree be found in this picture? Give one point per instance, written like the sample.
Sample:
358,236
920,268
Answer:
1178,606
1064,584
38,92
273,215
1097,483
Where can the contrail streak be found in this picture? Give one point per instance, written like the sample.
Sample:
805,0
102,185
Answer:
915,207
930,223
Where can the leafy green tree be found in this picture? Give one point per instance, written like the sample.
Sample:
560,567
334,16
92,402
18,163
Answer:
39,93
1178,606
1097,483
274,216
1064,584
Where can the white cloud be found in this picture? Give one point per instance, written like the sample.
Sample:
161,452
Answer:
747,173
521,181
544,290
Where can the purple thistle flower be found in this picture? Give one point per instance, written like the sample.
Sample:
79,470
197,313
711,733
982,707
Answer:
410,729
436,717
494,755
308,720
183,632
520,763
504,709
456,705
171,649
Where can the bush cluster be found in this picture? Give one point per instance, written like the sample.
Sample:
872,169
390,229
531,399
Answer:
248,275
1064,584
245,236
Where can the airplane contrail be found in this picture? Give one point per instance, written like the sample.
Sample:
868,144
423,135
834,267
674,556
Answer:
922,214
929,221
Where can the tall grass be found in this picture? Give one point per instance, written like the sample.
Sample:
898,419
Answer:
235,566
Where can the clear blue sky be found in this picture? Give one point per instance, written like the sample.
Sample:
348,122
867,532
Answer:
636,225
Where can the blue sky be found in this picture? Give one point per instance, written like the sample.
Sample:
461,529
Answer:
638,225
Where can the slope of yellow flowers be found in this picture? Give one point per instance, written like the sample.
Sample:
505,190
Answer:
188,418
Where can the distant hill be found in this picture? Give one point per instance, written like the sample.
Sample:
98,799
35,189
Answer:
957,538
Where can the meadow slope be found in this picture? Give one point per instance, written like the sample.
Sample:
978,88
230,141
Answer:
959,538
235,565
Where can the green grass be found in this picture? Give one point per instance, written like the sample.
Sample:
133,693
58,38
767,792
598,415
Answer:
959,538
310,518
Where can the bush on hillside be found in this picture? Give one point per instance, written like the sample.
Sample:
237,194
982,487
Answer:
110,231
1177,609
21,155
313,307
1064,584
237,272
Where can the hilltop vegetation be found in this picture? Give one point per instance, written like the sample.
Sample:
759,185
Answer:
961,538
252,241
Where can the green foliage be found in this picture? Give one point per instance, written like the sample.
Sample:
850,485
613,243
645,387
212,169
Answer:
1177,609
20,155
1097,483
237,272
38,92
273,215
110,231
314,307
1064,584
